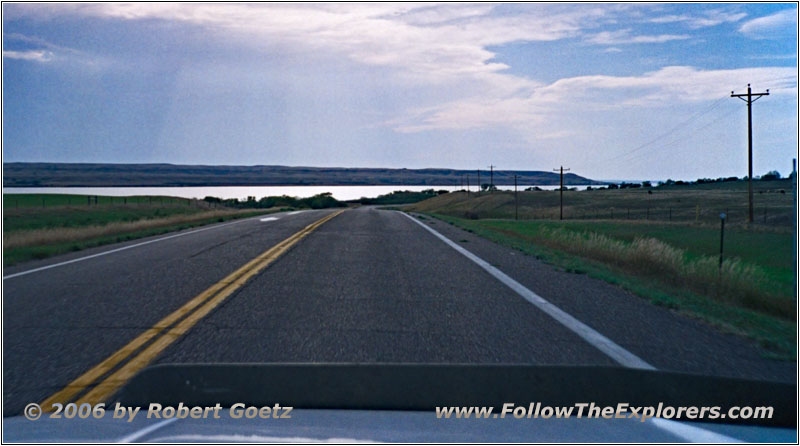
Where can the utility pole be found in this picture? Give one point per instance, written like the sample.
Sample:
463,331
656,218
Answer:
479,181
750,95
794,201
561,189
467,184
516,203
491,178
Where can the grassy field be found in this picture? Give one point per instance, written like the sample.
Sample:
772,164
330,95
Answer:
697,204
31,231
17,201
674,264
771,252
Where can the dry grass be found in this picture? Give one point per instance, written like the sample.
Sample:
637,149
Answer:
697,204
736,282
50,236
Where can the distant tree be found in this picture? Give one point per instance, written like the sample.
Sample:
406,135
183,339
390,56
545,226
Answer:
771,175
613,186
647,184
487,186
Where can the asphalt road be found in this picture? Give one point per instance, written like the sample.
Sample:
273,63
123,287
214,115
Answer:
366,286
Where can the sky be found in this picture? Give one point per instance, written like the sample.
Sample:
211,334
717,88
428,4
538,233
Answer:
611,91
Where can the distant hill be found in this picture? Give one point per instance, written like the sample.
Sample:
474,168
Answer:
154,175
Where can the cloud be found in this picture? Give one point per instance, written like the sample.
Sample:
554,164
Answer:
780,24
423,43
447,46
542,109
23,47
708,18
440,14
32,55
624,36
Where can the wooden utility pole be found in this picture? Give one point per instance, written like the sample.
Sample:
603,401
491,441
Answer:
491,178
561,191
750,95
479,181
794,202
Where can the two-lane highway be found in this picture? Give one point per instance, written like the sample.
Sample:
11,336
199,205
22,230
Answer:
363,286
60,321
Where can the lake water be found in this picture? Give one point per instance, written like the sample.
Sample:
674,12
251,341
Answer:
242,192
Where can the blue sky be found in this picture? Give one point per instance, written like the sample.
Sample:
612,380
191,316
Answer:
612,91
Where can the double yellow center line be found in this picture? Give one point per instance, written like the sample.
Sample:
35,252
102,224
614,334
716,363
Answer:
169,329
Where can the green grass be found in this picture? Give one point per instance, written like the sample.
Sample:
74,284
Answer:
66,223
776,333
17,201
771,252
25,253
70,217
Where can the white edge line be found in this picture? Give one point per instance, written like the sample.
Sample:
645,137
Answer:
590,335
691,433
130,438
80,259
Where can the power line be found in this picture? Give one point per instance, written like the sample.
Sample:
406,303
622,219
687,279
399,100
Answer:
686,136
672,130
